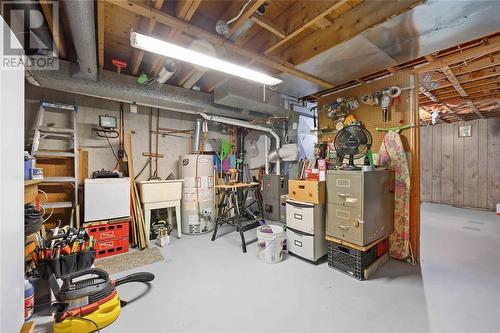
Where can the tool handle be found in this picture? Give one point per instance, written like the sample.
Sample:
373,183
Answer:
136,277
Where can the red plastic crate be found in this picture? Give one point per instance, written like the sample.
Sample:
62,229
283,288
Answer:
111,247
109,231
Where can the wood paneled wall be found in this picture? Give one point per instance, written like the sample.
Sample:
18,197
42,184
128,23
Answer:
463,172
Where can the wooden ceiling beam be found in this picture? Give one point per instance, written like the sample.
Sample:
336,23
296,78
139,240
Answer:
470,88
192,30
147,26
348,25
54,27
473,97
268,25
100,32
480,51
458,87
245,16
433,98
185,10
308,17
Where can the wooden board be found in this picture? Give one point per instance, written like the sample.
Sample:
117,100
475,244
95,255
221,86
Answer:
354,246
458,167
471,166
371,116
30,190
447,164
482,172
426,164
493,162
83,166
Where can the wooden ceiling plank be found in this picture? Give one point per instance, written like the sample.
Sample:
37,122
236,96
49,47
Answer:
458,87
308,22
54,27
268,25
190,29
150,24
245,16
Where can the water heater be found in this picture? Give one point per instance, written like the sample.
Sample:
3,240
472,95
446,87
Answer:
198,196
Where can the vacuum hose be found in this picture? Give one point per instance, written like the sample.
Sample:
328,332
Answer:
136,277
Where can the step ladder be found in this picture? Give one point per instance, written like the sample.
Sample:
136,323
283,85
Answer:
44,132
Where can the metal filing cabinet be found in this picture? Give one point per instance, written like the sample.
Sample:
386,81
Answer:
306,229
360,206
273,187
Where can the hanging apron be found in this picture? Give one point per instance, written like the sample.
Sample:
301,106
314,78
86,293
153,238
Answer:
392,155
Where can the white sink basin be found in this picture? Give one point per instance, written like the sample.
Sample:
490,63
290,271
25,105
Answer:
160,190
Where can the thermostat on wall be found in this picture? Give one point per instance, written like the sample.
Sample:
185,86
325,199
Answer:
107,122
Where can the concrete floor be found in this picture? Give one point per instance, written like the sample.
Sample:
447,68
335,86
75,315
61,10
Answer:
206,286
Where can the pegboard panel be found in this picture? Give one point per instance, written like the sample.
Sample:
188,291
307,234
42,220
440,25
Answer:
371,116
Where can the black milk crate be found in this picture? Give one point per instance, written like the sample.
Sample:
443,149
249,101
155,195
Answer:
350,261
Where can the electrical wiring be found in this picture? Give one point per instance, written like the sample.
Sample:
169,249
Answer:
84,319
42,206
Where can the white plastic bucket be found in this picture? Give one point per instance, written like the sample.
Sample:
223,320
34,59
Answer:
270,240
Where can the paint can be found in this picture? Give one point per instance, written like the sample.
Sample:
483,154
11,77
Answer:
270,241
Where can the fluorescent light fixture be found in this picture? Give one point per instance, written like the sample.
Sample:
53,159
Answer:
170,50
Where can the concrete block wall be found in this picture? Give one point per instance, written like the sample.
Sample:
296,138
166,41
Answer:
100,154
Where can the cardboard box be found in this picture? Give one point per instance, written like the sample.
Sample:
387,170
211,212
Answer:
307,191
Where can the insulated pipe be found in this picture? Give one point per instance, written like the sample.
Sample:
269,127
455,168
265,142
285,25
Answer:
124,88
167,71
81,19
245,124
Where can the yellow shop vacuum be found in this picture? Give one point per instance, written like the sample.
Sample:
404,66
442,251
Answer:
88,301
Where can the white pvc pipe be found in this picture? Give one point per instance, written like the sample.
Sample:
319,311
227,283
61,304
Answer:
265,151
241,123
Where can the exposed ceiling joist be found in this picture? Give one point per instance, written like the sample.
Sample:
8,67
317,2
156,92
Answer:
308,17
480,51
268,25
454,82
346,26
185,10
362,17
474,108
192,30
147,26
435,100
245,16
54,27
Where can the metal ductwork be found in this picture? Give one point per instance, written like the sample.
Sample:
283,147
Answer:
249,96
124,88
81,18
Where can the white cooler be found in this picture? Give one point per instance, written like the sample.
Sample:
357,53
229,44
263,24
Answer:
106,198
306,229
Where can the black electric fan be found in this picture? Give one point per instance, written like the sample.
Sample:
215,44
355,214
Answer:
354,141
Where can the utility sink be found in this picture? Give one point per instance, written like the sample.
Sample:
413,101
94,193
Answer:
160,190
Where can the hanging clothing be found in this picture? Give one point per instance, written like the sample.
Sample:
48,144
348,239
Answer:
392,155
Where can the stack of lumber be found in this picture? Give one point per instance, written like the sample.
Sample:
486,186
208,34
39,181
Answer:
138,231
